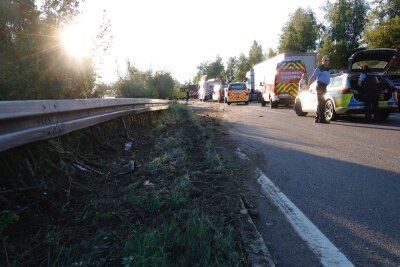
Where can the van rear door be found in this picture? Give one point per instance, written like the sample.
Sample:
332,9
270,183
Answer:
288,77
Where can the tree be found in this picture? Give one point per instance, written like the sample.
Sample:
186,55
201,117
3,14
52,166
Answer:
383,11
255,54
271,53
216,69
230,69
300,33
383,27
139,84
213,70
386,34
242,66
18,22
346,20
162,85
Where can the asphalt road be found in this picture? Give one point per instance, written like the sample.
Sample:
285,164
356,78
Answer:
344,177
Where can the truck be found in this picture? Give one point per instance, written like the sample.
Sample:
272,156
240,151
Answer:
206,87
261,74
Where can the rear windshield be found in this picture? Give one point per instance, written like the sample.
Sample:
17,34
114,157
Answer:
237,87
372,64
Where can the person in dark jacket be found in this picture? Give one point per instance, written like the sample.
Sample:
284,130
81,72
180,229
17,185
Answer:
187,95
322,75
369,85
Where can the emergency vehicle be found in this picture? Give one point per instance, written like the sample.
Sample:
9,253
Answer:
206,87
236,93
193,90
281,83
182,93
256,76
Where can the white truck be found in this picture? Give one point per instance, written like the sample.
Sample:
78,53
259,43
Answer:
256,77
206,87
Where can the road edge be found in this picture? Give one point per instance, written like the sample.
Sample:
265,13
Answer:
257,250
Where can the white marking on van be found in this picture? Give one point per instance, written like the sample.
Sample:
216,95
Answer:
319,244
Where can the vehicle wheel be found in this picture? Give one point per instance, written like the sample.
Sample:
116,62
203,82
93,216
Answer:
246,103
263,102
228,103
298,109
330,114
383,115
273,104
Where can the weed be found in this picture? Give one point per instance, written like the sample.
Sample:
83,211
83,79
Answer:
154,203
6,219
178,197
135,199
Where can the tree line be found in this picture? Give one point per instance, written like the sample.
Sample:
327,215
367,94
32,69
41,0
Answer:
348,26
35,65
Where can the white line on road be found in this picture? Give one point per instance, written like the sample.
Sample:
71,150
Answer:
318,243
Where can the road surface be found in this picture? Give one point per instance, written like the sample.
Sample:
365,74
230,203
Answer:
344,177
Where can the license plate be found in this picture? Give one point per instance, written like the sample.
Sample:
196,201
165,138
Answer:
284,95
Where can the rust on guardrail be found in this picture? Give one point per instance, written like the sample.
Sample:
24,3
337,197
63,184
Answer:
23,122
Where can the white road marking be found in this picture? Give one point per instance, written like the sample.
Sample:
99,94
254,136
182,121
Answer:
319,244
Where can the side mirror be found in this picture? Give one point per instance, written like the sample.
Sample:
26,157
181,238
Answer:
261,83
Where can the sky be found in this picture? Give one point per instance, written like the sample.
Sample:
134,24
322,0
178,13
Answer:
177,35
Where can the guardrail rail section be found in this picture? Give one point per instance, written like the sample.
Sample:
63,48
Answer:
23,122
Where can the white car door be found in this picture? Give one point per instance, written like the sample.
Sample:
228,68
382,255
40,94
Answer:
309,100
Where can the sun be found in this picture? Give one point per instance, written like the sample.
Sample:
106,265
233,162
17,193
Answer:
76,40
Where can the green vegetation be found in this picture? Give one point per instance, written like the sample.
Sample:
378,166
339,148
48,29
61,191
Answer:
347,27
72,202
342,36
34,64
137,83
300,33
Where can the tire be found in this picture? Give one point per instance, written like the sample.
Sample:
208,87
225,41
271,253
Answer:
228,103
298,109
273,104
263,102
246,103
330,114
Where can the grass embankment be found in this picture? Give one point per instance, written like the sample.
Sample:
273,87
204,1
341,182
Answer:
75,201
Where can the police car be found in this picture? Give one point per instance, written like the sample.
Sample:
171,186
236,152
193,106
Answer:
344,96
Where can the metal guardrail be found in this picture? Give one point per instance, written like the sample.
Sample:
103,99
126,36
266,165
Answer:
23,122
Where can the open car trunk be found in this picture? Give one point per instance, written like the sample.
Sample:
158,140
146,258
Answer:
384,88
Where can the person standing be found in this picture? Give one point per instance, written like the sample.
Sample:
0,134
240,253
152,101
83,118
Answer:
187,95
369,84
303,82
322,75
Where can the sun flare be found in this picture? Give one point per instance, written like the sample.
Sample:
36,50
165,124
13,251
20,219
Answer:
76,41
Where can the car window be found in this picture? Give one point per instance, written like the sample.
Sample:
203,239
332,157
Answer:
372,64
237,87
313,87
330,82
337,81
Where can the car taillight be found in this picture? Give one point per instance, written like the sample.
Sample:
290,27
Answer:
347,91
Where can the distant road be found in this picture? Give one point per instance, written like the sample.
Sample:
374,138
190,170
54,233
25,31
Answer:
344,177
